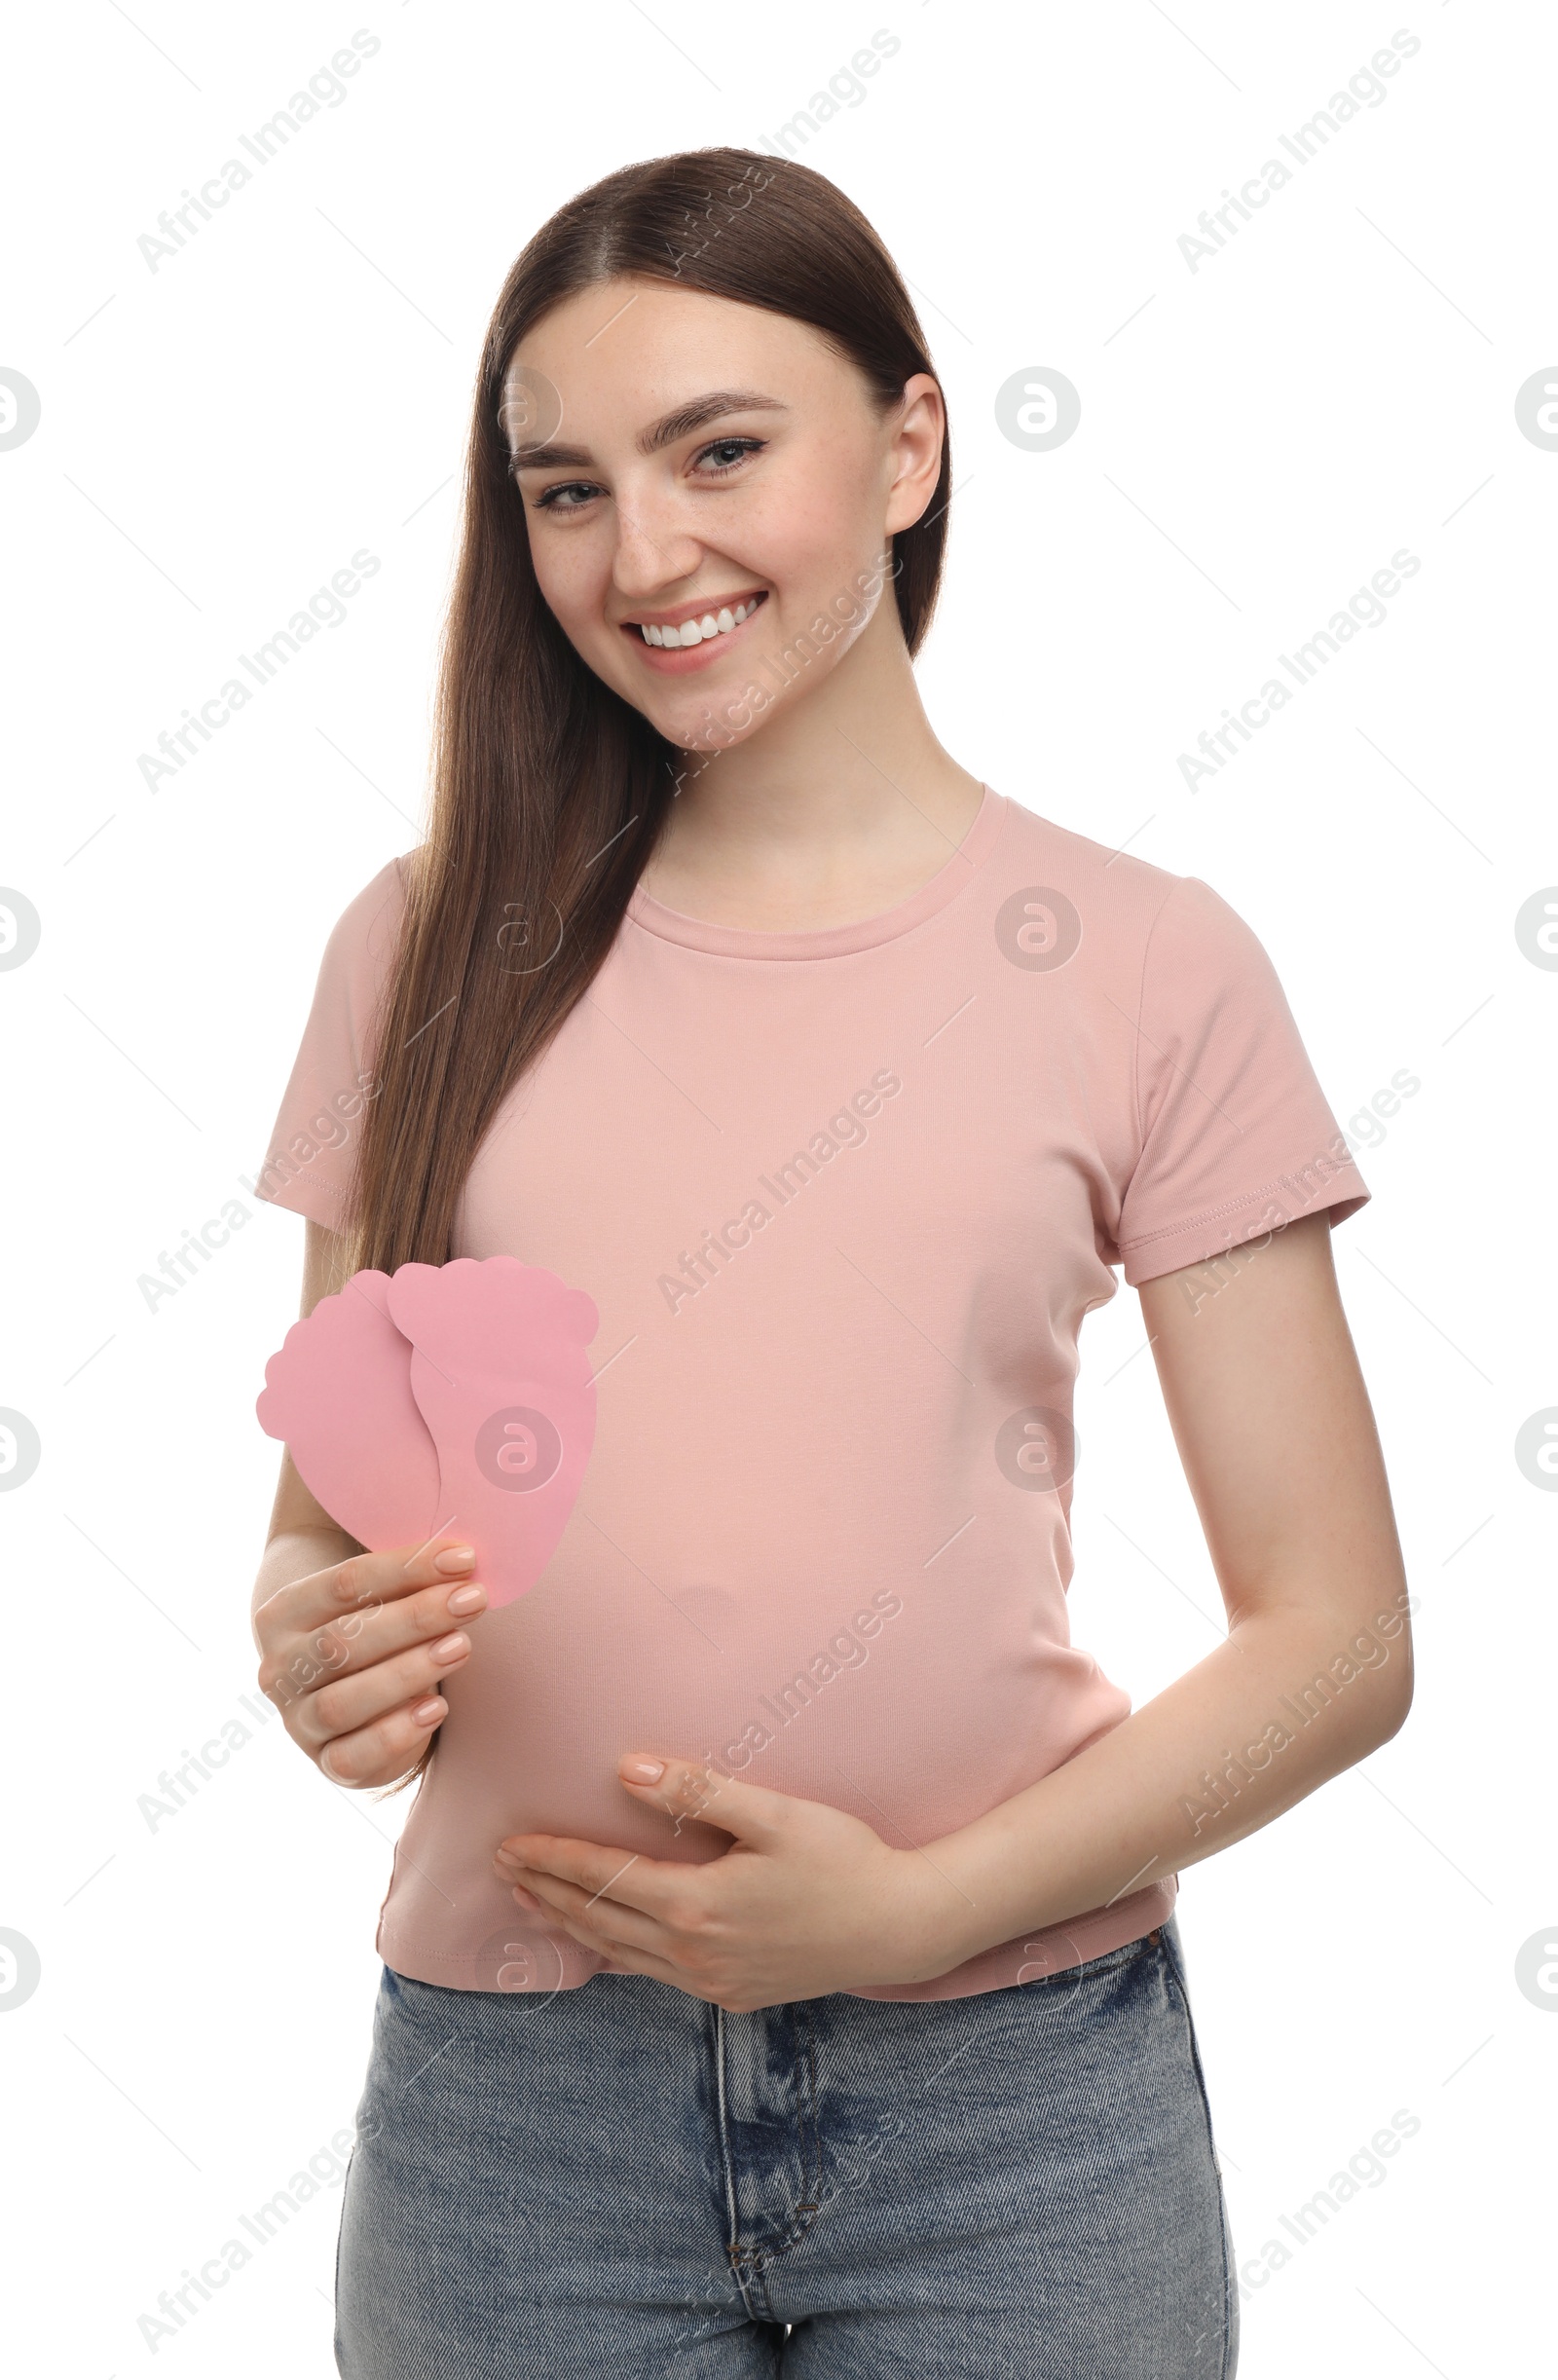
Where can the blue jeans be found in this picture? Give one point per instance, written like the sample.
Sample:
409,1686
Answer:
625,2182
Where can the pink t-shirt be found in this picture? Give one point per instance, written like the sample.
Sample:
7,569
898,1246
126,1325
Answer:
843,1199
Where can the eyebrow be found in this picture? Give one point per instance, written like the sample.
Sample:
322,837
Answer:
694,415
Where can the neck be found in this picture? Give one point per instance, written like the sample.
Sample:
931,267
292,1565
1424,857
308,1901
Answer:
841,803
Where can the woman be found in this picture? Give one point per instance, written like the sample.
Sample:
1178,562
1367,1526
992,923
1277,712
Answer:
779,1963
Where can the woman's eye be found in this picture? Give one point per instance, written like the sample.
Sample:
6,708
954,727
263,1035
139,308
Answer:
738,449
721,455
551,499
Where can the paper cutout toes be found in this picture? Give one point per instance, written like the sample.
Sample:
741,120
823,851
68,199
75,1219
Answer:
338,1391
500,1373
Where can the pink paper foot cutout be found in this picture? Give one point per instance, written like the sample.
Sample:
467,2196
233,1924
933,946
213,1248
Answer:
338,1393
502,1376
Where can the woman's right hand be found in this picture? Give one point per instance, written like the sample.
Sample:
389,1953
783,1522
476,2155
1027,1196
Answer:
353,1656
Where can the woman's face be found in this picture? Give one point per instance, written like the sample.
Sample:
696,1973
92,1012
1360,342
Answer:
705,458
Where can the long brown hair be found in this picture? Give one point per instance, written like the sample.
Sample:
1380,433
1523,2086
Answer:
549,791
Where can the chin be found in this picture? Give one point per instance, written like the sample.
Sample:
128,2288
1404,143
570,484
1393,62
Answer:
701,728
696,735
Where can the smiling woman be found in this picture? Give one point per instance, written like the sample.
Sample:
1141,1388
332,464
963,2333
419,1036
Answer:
698,861
788,495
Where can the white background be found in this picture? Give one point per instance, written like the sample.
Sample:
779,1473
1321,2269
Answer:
1257,438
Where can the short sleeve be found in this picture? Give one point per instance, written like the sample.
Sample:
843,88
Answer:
313,1144
1236,1136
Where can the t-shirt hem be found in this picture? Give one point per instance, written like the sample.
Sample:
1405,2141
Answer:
1205,1234
1029,1957
320,1205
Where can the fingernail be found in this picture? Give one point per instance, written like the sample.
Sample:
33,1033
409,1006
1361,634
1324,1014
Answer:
642,1772
455,1557
526,1900
448,1647
467,1598
426,1712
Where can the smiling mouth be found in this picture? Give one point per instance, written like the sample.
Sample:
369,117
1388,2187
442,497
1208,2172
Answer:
721,620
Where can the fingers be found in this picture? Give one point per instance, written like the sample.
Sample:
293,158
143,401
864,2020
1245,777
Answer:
621,1934
353,1655
366,1583
363,1703
688,1790
626,1936
337,1619
383,1750
601,1924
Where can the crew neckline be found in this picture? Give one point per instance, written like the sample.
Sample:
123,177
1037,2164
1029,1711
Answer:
833,941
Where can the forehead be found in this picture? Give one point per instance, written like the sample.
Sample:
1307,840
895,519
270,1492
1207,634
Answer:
623,353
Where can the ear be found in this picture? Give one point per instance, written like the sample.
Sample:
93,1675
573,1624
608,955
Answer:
919,443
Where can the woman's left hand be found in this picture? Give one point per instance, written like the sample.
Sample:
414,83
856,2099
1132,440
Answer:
805,1901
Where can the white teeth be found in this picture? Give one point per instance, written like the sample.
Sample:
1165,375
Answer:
697,631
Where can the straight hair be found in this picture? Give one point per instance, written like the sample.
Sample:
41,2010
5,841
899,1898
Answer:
549,790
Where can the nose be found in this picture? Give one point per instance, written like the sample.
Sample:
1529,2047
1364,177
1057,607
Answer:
655,548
